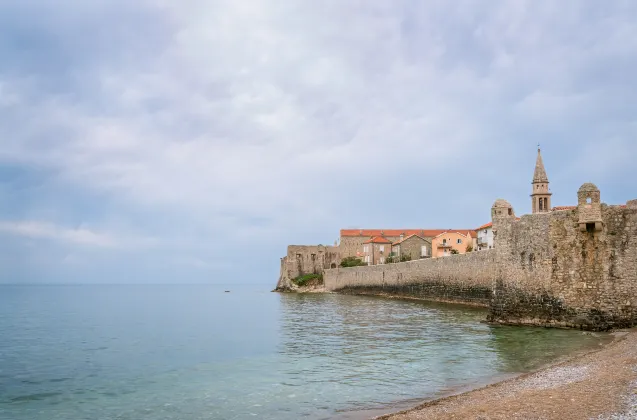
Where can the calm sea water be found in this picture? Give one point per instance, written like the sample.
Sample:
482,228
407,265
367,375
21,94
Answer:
195,352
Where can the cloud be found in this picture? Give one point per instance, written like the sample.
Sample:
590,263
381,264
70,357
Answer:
77,236
230,128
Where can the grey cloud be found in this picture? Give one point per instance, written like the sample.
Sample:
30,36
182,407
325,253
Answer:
250,123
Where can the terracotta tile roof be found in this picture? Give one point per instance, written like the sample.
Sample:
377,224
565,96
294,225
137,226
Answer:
425,233
378,240
410,236
471,233
486,225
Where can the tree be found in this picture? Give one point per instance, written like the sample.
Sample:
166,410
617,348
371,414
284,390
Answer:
454,251
469,248
352,262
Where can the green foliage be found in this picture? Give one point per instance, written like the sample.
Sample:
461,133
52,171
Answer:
393,258
302,280
469,248
352,262
454,251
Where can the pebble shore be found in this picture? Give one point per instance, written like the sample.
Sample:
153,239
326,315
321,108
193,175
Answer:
601,385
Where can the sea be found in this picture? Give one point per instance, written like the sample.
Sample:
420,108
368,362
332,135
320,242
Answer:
201,352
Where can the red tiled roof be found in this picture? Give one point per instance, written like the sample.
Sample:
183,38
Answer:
378,240
404,239
426,233
486,225
471,233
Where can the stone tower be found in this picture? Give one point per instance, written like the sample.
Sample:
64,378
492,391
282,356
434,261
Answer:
589,207
540,196
502,215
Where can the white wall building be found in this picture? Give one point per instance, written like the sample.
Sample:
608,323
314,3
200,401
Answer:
485,237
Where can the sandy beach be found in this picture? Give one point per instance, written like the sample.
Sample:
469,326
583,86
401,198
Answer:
598,385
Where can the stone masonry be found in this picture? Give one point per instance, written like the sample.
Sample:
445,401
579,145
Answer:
544,269
306,259
467,278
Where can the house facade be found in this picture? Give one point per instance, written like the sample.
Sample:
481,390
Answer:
413,247
484,237
352,241
376,250
449,243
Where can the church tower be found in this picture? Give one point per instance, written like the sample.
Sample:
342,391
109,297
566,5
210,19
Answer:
540,196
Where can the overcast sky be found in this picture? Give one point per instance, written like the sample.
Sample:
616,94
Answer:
191,141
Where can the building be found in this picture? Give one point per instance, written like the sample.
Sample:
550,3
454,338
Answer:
412,247
352,240
540,193
484,237
448,243
376,250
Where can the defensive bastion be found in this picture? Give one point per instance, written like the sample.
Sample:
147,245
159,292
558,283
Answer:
572,268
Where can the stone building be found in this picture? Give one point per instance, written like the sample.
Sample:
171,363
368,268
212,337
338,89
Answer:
352,240
306,259
376,250
413,247
540,194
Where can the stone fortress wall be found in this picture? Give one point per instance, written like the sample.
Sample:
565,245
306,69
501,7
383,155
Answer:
306,259
573,268
466,278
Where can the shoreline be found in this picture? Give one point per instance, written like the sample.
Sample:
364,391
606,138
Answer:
598,384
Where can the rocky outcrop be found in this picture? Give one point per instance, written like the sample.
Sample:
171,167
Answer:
285,284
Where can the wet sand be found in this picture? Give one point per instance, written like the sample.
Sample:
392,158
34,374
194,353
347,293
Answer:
598,385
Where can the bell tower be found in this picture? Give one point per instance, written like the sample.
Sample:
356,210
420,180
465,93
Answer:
540,195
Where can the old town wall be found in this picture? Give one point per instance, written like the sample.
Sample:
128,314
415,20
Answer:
552,273
545,270
464,278
306,259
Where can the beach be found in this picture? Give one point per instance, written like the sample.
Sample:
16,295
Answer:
598,385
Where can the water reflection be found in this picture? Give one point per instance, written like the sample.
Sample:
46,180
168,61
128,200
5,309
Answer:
402,349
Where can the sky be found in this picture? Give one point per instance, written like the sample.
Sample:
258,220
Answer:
191,141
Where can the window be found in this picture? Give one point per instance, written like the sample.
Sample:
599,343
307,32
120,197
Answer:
382,248
423,251
366,248
588,200
459,241
382,260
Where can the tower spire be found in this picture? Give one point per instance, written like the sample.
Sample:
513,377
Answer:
540,173
540,194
